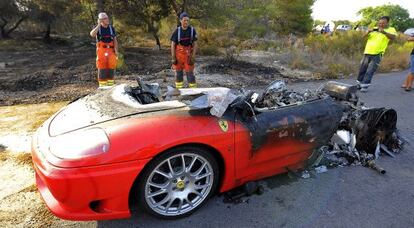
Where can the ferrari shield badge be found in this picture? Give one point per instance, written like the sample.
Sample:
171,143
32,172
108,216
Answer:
224,125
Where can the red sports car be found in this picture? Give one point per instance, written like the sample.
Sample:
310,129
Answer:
172,154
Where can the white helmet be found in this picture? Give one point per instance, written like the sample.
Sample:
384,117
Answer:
102,15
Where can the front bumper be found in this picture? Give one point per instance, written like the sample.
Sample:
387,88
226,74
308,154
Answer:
86,193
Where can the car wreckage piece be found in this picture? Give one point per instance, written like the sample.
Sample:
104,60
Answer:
171,152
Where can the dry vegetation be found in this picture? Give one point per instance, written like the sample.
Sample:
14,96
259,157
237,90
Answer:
335,56
18,118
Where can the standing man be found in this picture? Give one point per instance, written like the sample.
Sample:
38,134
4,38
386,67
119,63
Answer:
106,50
408,83
183,49
378,39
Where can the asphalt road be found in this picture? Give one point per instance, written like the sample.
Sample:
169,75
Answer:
342,197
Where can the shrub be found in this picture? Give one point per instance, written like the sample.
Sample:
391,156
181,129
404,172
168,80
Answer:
209,50
345,43
396,58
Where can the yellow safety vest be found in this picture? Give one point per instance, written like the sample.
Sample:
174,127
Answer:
378,42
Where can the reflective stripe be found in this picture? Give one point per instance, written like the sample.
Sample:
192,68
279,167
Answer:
191,34
102,83
179,34
110,82
179,85
192,85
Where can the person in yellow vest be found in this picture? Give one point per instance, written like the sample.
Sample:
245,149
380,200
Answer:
378,39
408,83
106,50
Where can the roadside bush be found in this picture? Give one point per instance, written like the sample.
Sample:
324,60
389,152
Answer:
396,58
345,43
339,55
209,50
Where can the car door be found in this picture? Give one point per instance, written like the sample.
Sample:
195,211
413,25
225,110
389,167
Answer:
277,140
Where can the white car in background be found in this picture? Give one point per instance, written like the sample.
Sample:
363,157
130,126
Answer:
409,32
362,28
344,28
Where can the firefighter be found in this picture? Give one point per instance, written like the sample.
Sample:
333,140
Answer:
183,50
106,50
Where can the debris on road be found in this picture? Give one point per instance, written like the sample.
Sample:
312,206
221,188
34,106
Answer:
321,169
363,132
235,196
305,174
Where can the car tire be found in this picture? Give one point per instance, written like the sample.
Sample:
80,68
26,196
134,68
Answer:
178,182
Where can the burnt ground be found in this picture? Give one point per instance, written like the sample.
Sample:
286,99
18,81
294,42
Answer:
64,73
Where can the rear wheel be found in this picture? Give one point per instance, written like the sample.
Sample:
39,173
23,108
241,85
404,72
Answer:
178,182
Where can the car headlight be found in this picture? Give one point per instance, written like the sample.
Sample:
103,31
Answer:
80,144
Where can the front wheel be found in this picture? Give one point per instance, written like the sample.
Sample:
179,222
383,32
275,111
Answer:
177,183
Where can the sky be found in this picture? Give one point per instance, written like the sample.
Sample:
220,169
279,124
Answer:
347,9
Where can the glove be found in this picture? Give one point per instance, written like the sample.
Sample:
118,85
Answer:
191,61
174,61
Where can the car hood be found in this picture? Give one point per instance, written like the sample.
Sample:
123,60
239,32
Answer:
101,106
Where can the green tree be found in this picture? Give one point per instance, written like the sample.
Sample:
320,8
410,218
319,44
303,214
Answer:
145,14
343,22
50,12
292,16
249,18
207,12
256,18
400,18
12,14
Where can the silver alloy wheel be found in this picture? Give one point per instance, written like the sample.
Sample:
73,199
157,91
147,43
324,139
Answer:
179,184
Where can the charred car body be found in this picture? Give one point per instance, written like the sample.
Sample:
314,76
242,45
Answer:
173,152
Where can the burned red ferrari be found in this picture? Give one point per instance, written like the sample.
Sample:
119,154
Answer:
172,152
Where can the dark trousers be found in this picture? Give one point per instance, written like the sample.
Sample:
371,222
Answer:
369,65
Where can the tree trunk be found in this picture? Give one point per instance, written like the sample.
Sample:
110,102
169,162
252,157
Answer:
184,6
5,33
157,39
46,37
100,5
93,20
154,31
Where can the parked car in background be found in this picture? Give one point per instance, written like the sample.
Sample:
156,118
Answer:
318,28
361,28
409,32
344,28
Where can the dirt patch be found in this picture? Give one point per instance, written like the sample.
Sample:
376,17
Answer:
19,118
238,67
14,175
20,202
64,73
19,122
